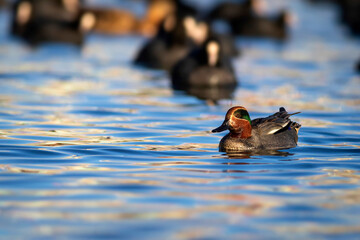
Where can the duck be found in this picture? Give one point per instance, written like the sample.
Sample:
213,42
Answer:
38,32
205,66
158,10
40,21
264,27
274,132
349,14
229,11
171,44
112,21
27,11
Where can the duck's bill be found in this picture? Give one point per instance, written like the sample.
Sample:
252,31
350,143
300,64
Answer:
223,127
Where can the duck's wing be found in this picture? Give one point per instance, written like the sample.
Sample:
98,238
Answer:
273,124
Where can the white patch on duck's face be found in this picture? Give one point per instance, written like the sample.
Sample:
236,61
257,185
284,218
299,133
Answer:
87,22
71,5
201,33
23,13
190,26
212,50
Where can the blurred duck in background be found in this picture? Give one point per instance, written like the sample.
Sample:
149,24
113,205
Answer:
350,14
3,4
204,67
112,21
200,30
259,26
171,43
247,18
231,11
176,37
40,21
156,12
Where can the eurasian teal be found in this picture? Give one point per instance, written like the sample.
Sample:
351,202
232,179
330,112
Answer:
274,132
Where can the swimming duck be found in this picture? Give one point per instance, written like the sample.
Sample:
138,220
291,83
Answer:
230,11
158,10
204,67
274,132
171,44
112,21
260,26
38,21
38,32
25,11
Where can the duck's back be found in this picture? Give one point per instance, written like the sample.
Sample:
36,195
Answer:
276,131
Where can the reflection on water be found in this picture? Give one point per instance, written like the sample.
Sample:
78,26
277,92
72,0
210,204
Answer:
93,147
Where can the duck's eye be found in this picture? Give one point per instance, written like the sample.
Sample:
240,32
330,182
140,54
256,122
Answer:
242,114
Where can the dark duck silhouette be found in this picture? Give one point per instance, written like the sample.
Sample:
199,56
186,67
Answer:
39,21
350,14
171,44
230,11
274,132
260,26
204,67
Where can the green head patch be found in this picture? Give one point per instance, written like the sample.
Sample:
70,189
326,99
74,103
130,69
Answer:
242,114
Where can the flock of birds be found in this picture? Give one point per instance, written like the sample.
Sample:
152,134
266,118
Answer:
183,42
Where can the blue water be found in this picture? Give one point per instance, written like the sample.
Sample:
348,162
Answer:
93,147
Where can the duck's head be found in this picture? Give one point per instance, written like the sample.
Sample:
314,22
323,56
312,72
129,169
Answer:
210,53
237,121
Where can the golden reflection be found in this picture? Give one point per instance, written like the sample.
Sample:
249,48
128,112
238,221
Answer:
112,182
64,204
59,170
195,147
62,88
348,197
122,211
148,92
165,164
315,228
345,145
333,177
